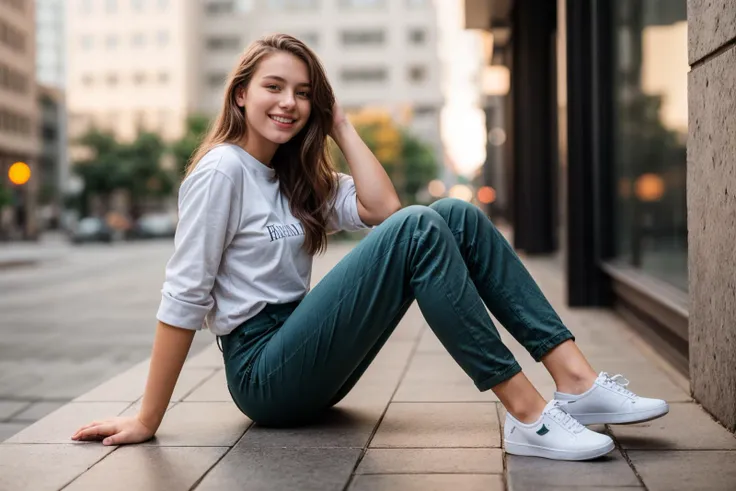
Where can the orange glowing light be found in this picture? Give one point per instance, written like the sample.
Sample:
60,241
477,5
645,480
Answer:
486,195
649,187
19,173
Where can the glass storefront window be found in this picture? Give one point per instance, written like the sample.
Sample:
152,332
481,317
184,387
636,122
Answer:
650,131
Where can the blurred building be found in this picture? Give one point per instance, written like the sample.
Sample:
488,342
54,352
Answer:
597,152
50,75
148,64
131,65
18,118
377,53
51,161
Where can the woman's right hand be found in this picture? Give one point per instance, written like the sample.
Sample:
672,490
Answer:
115,431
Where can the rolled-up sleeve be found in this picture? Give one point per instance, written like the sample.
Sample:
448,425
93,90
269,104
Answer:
344,214
209,215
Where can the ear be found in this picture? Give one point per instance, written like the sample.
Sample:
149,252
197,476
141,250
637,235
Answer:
240,96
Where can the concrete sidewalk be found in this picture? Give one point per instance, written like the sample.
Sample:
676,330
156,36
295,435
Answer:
51,246
413,422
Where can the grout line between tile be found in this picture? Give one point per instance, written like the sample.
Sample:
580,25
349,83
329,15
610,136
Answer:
625,455
199,481
388,404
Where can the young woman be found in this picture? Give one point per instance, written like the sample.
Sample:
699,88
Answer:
258,202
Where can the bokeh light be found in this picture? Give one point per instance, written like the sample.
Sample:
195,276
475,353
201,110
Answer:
649,187
19,173
436,188
486,195
461,191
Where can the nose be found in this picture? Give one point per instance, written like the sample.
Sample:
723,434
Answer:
288,101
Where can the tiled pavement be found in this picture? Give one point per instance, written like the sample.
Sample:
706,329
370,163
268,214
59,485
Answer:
414,422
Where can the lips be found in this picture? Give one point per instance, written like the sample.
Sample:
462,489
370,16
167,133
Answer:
282,120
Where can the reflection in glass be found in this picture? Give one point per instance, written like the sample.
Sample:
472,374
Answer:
650,107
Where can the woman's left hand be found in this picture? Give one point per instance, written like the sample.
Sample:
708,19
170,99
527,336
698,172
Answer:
338,118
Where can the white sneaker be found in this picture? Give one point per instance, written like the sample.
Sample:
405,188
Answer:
609,402
555,435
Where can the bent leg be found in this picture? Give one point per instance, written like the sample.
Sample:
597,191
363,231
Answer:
338,328
507,288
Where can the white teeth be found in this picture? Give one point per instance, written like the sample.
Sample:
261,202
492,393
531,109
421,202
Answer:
282,120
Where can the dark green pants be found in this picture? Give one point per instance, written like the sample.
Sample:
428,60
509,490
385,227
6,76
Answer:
292,361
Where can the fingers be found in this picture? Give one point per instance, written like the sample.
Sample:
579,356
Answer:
96,432
114,439
90,425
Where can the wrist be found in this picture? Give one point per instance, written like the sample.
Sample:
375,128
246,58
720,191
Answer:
340,129
151,422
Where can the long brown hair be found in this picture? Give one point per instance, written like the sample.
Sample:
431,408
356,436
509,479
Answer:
303,165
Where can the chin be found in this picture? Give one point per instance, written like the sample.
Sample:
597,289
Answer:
280,138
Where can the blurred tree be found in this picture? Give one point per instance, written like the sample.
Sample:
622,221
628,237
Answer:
134,167
408,161
5,195
183,148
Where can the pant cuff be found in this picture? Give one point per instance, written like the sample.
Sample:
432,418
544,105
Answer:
496,379
547,345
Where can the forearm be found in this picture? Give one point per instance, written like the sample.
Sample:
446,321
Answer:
375,190
170,348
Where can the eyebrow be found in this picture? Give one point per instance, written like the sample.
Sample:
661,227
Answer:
281,79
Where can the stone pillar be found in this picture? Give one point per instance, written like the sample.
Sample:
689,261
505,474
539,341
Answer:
711,203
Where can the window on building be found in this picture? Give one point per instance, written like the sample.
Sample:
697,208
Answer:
111,41
220,7
244,5
139,78
366,37
417,36
293,4
311,39
86,42
16,4
13,122
218,43
87,80
85,6
422,110
216,80
111,6
650,67
363,74
12,37
111,79
137,5
359,4
163,38
12,80
417,73
139,39
163,78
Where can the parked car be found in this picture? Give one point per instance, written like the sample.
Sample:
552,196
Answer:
154,225
91,229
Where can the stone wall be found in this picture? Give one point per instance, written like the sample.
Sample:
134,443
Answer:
711,196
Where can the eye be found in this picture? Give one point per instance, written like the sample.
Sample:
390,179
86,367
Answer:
303,93
272,87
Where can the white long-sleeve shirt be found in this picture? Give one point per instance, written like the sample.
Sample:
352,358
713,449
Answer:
237,245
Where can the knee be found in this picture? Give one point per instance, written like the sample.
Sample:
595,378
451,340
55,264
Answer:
418,214
413,219
450,208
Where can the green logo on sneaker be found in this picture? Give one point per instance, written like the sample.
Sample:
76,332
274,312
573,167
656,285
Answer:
542,431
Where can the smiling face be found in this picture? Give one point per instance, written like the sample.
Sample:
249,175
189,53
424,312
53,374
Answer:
277,103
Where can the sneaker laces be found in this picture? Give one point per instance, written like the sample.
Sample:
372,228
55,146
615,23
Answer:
564,419
618,383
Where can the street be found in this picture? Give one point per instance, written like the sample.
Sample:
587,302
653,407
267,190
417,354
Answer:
74,320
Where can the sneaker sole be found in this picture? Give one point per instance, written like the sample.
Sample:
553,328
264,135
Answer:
622,418
552,454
